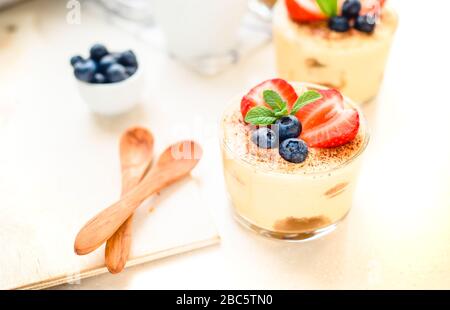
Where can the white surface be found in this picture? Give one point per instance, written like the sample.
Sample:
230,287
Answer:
398,233
60,166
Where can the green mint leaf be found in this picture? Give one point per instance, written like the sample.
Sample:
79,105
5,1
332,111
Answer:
282,112
328,7
260,116
307,97
274,100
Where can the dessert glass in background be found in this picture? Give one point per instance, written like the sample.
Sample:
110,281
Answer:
201,33
352,61
283,202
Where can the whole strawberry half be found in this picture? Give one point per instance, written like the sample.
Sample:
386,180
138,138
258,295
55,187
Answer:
321,110
327,123
255,95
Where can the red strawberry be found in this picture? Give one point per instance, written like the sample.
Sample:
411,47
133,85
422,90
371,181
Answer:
320,111
255,96
337,131
304,10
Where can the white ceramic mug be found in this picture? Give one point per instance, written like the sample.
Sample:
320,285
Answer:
196,29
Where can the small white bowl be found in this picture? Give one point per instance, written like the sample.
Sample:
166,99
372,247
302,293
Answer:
113,98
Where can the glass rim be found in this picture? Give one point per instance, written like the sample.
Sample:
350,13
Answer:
353,104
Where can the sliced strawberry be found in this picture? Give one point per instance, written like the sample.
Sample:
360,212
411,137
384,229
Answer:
255,96
320,111
304,10
339,130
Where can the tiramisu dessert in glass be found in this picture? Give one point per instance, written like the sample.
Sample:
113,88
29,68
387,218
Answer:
340,44
291,157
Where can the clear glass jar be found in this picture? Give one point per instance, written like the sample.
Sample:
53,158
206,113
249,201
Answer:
293,206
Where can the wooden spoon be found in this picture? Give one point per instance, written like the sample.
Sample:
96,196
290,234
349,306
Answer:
136,153
175,162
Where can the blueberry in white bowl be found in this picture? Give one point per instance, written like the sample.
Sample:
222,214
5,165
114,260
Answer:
110,82
115,66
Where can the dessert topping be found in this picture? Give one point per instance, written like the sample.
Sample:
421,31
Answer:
360,14
293,150
351,8
304,10
288,127
339,130
255,98
326,122
265,104
321,110
318,117
265,138
339,23
365,23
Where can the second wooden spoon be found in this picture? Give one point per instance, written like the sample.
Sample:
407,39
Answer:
176,162
136,153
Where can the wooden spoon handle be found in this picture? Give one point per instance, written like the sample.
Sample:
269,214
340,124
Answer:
118,245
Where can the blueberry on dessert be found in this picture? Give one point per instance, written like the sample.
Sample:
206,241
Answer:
351,8
294,150
365,23
288,127
339,23
265,138
104,67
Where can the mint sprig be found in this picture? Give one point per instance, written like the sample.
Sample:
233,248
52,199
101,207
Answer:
274,100
328,7
307,97
261,115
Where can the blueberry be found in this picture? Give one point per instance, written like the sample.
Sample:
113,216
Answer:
76,59
339,23
288,127
351,8
116,73
365,23
85,70
265,138
98,51
99,79
106,62
131,70
128,58
294,150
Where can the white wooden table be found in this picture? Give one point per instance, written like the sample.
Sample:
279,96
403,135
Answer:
398,233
